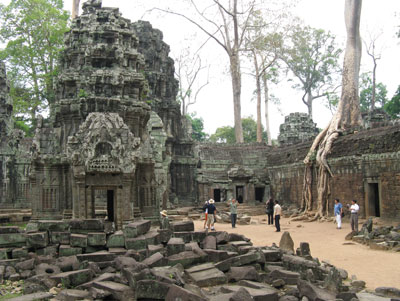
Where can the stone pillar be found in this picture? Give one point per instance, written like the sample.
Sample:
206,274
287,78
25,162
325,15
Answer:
118,207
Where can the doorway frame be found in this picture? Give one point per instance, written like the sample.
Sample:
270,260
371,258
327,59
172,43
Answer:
367,183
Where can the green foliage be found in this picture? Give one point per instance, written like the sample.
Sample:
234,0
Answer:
313,58
226,134
198,133
33,31
82,93
393,106
21,124
366,93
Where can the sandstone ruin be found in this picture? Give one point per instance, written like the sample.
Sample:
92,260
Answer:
115,144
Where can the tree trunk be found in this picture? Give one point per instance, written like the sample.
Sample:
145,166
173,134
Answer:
75,9
348,113
266,106
258,91
309,104
373,97
236,88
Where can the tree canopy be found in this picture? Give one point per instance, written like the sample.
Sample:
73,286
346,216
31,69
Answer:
197,123
33,31
312,56
393,106
226,134
366,94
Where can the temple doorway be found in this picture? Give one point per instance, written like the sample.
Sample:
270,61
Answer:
372,200
217,195
259,193
110,205
239,193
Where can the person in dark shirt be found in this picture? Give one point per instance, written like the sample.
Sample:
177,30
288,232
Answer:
211,214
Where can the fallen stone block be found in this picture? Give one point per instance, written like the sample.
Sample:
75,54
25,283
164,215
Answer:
222,237
209,242
313,292
183,226
118,291
9,229
3,254
152,238
242,273
37,240
66,250
72,294
186,258
122,262
102,256
78,240
68,263
175,245
25,265
238,261
206,275
155,260
62,238
137,243
52,225
73,278
216,255
178,293
237,237
390,292
96,239
288,276
186,236
151,290
152,249
272,255
85,226
19,253
136,229
33,297
198,236
256,294
49,250
116,240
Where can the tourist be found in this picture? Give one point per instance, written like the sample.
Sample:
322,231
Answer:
277,214
211,214
233,205
164,223
205,209
337,211
269,209
354,208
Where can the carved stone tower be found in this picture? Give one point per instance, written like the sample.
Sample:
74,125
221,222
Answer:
99,149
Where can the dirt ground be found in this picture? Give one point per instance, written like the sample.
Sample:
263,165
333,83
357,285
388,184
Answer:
376,268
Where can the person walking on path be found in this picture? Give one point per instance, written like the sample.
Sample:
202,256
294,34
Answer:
354,208
337,211
277,214
270,211
233,206
205,209
211,214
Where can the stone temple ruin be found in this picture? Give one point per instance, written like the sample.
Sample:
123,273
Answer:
115,144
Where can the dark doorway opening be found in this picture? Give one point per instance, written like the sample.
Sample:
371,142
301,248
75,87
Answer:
217,195
239,194
110,205
373,200
259,194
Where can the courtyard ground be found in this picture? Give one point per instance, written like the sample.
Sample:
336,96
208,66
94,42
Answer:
376,268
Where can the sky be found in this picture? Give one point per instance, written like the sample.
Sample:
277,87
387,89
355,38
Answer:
215,104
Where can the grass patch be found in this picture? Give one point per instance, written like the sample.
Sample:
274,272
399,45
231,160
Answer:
10,296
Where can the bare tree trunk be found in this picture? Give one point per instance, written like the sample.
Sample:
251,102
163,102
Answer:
236,88
348,113
258,91
373,97
309,104
75,8
266,107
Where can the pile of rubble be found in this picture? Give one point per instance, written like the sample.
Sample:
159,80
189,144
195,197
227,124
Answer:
87,260
380,238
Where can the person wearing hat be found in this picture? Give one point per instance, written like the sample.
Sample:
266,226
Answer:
164,223
211,214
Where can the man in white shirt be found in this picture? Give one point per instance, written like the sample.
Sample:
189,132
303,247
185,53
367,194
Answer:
277,214
354,208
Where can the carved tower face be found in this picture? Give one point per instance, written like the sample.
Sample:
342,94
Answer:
101,71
